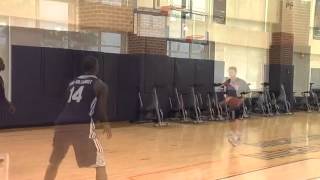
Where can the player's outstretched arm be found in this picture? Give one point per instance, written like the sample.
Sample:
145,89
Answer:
10,106
102,95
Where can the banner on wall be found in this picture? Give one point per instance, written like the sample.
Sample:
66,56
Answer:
316,29
219,11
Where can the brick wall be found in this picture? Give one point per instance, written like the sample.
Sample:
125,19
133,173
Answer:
301,23
146,45
96,15
287,15
293,34
281,49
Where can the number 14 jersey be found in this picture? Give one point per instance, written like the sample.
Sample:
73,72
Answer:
81,102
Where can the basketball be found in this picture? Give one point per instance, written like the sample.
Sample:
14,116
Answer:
234,102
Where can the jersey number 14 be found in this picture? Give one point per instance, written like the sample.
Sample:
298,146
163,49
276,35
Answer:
75,95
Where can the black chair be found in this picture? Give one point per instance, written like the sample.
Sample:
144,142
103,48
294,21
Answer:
150,106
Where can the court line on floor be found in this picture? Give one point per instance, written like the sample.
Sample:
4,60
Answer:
284,141
209,162
177,168
314,178
272,166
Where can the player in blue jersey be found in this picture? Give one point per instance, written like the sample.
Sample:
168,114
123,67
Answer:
86,102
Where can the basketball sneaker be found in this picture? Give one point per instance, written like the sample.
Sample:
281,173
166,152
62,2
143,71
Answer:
234,139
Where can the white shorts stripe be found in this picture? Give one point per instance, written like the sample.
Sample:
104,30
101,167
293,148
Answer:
98,145
93,136
100,155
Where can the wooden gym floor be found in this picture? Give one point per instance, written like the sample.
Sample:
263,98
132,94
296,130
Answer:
284,147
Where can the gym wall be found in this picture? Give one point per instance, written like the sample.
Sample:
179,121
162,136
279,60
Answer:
100,15
301,80
249,61
40,77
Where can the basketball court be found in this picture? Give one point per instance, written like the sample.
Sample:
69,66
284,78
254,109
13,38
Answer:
280,148
159,89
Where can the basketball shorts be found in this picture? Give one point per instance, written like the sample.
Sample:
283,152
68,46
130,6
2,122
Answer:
236,114
83,138
235,108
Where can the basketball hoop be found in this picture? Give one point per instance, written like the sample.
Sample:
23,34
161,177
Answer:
192,38
165,10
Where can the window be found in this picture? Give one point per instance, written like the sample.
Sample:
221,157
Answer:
219,11
111,42
89,41
200,6
18,8
146,3
181,3
151,26
50,19
198,51
113,2
175,25
249,61
179,50
186,22
84,41
188,50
